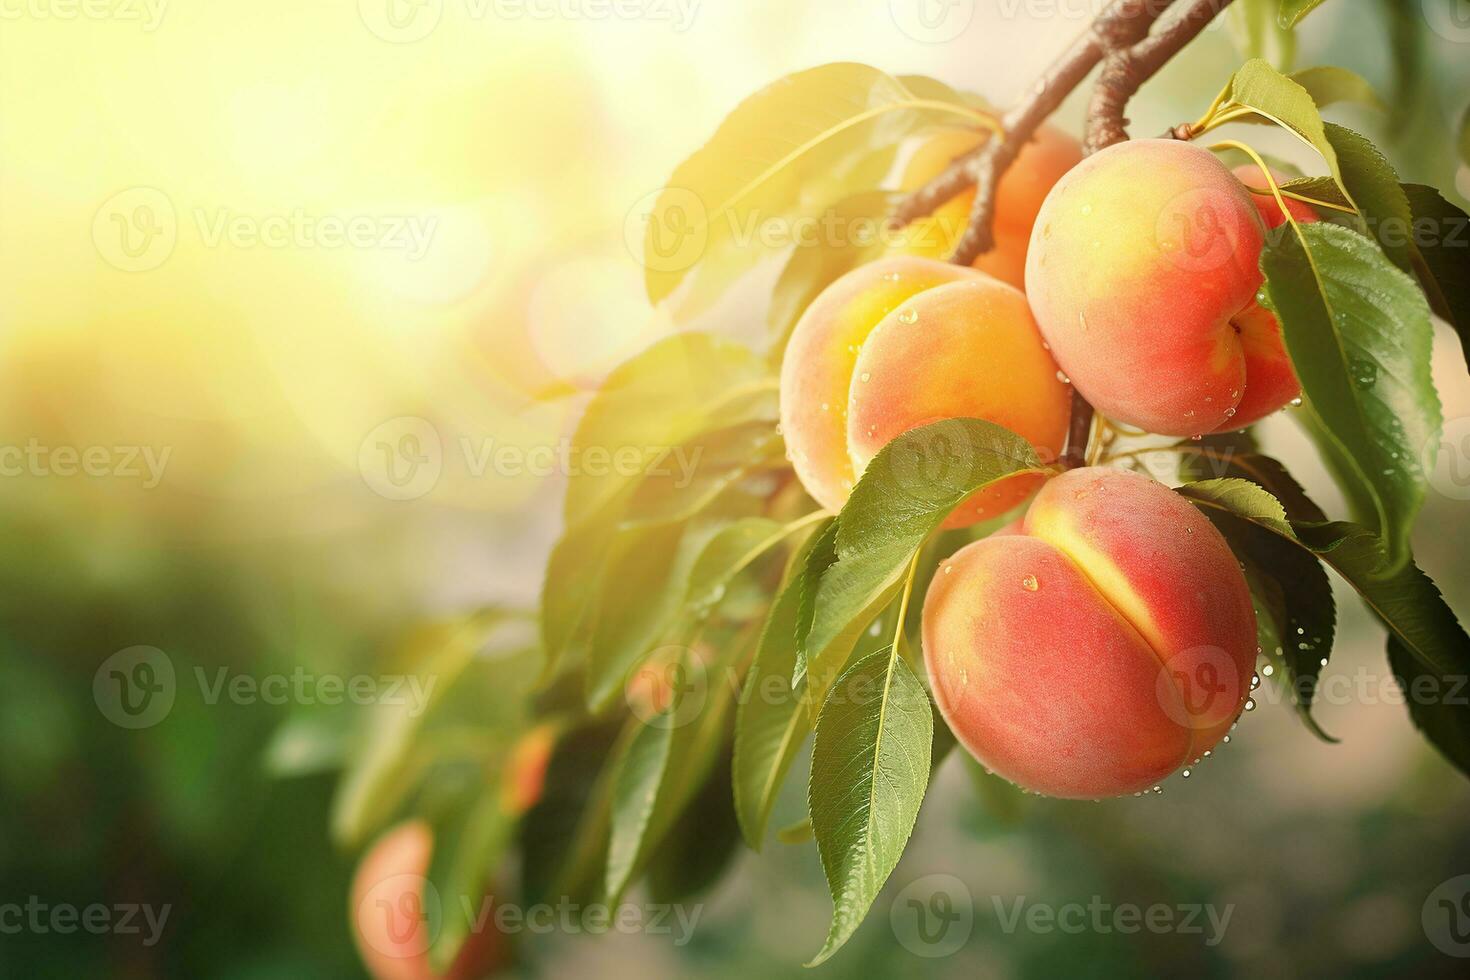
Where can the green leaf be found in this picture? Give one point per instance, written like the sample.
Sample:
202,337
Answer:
1292,11
1407,600
1442,236
661,399
1329,84
814,266
1277,98
1373,185
1235,454
469,843
1439,711
724,556
635,790
870,768
645,580
1425,638
905,493
700,845
697,472
563,839
772,720
1359,335
1295,612
383,768
807,139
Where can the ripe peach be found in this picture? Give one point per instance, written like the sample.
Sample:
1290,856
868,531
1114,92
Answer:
1041,163
1143,277
390,913
902,342
1105,643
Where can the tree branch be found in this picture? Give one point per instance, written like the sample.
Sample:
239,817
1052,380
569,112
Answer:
1125,69
1123,22
1121,41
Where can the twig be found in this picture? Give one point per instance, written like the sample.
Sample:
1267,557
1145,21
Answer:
1126,69
1123,22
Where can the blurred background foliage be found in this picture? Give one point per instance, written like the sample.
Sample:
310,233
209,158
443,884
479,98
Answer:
263,370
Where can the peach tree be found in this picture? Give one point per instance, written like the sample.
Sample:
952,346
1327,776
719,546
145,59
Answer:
989,483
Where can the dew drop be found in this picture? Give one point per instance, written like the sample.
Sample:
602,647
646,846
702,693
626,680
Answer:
1225,739
1030,584
1296,402
1324,661
1086,210
1062,377
1185,774
948,569
1268,670
826,407
867,376
1196,438
908,315
1250,704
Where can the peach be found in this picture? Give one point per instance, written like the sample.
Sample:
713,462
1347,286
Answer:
525,770
1143,277
1108,641
1040,164
390,913
905,341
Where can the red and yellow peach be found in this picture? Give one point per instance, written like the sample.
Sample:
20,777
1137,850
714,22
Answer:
1018,197
1104,643
906,341
1143,274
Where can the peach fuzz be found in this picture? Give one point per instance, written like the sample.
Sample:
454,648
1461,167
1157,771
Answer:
1107,642
388,907
902,342
1143,277
1040,164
